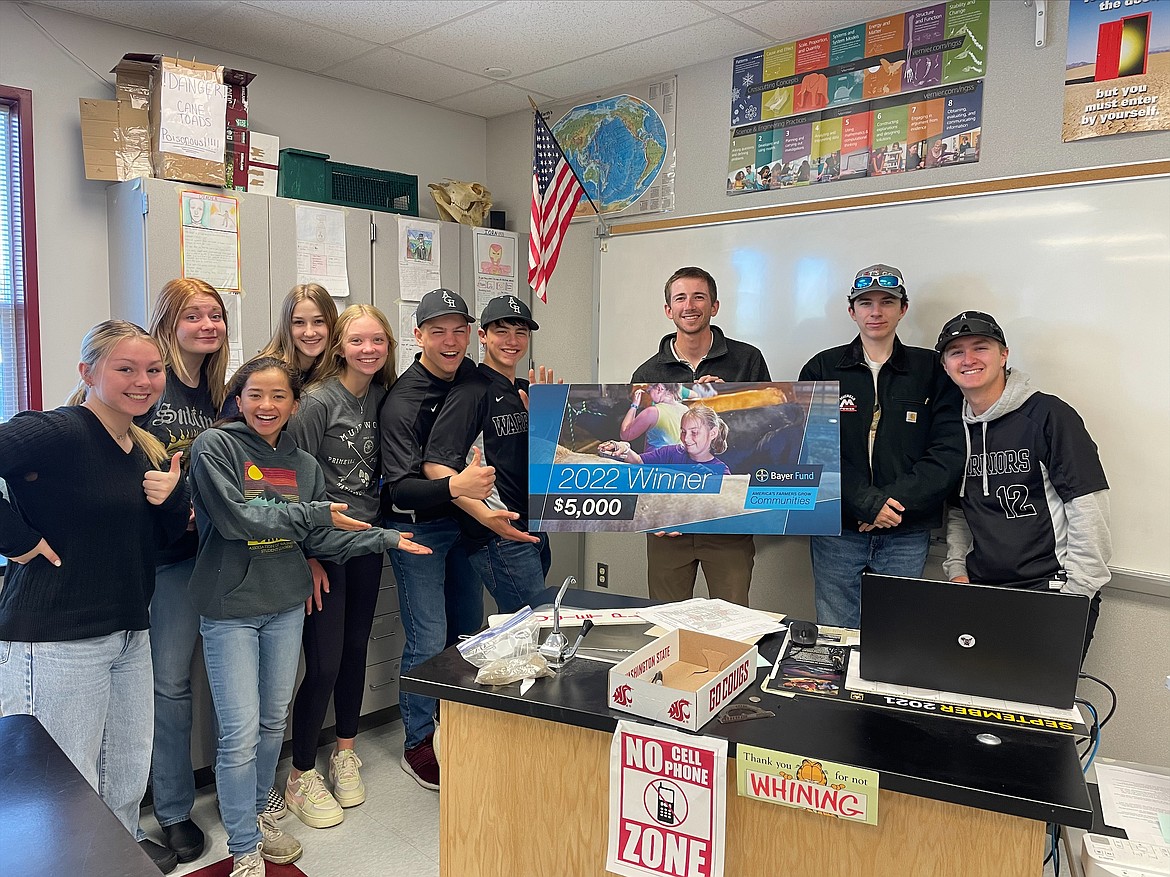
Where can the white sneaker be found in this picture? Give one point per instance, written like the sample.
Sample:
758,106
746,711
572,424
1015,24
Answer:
311,802
278,846
249,864
348,788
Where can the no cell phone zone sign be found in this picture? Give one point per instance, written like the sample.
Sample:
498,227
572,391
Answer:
667,803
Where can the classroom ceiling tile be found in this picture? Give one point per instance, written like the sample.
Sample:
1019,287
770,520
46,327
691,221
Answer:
789,19
728,6
164,18
379,21
275,38
708,41
441,49
526,37
495,100
390,70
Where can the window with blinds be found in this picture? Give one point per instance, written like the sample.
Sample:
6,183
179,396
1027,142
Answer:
17,287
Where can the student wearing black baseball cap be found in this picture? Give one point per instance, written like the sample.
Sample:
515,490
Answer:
901,448
440,595
1033,505
489,411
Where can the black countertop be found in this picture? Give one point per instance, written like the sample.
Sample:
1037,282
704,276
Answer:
1032,774
52,823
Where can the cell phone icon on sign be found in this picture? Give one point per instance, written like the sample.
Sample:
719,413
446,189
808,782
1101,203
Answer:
665,804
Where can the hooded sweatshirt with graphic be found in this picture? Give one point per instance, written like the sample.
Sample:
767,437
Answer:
256,507
1033,502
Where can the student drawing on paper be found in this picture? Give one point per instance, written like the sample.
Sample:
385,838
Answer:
495,263
702,435
222,216
195,210
418,245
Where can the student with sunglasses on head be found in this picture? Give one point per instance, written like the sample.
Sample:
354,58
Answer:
901,448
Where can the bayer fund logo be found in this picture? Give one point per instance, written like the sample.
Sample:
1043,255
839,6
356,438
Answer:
762,475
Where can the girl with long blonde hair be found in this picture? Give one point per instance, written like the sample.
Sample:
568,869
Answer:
338,424
702,435
87,506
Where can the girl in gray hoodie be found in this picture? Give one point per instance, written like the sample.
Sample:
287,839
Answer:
258,500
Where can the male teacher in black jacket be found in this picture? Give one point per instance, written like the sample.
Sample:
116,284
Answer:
901,448
698,352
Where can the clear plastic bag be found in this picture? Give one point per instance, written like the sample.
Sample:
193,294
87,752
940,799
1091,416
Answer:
516,637
507,670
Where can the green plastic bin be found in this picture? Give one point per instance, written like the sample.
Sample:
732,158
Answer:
311,176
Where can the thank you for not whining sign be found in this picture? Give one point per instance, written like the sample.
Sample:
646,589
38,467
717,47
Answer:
667,803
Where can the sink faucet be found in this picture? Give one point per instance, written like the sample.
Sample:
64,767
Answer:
556,647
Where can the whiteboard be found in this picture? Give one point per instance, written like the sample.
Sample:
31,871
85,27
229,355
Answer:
1078,276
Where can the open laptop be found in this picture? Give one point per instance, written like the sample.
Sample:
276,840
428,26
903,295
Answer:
1009,643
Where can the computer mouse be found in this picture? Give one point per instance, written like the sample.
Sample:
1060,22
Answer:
802,633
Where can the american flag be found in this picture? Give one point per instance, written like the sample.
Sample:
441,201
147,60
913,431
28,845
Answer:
555,193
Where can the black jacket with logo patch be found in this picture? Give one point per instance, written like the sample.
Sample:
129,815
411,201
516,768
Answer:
918,450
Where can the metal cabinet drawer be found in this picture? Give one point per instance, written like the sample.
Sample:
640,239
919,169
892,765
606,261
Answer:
387,591
381,686
386,639
387,597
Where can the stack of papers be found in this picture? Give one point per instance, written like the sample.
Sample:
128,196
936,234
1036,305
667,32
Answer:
1135,800
714,617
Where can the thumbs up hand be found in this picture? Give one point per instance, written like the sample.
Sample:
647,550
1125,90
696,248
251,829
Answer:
158,485
476,481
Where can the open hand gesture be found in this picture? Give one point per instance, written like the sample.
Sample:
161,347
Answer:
345,522
405,544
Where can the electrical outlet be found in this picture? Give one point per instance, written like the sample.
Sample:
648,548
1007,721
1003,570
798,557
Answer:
603,575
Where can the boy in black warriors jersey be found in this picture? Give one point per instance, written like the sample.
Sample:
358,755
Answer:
1033,504
490,411
439,594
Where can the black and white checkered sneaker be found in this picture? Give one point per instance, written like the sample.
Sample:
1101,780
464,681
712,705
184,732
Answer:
275,806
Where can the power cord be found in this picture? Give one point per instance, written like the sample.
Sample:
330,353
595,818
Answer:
1054,848
1094,741
1094,734
1112,695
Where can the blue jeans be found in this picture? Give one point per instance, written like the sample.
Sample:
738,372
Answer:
464,596
838,562
93,697
513,572
424,594
174,625
252,667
